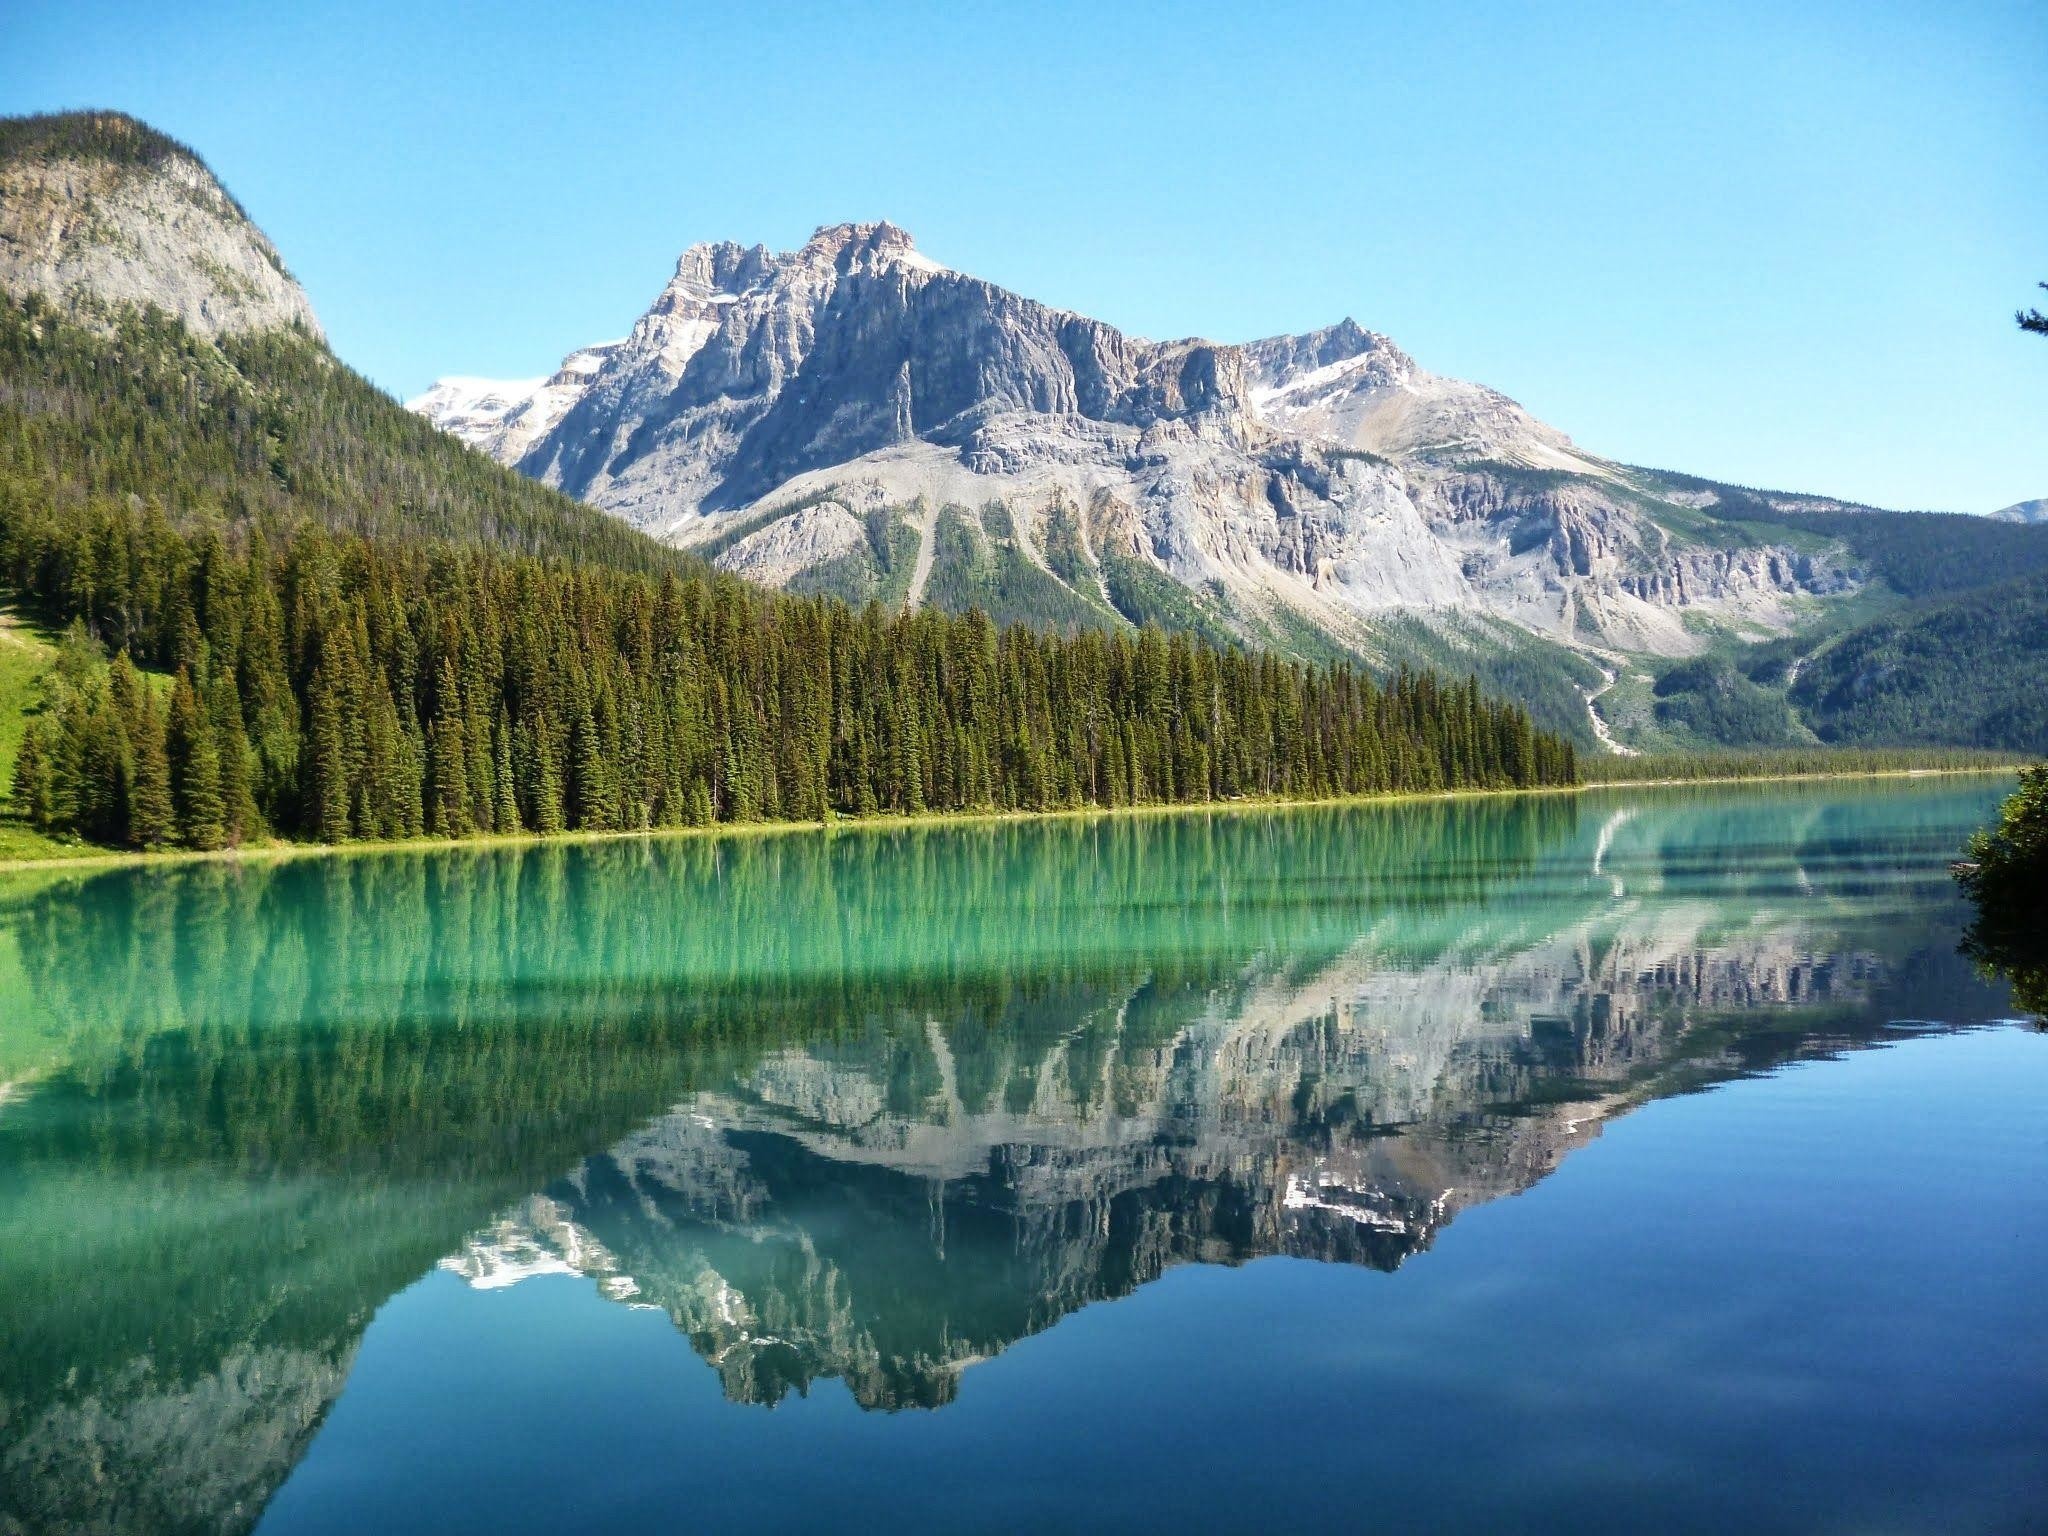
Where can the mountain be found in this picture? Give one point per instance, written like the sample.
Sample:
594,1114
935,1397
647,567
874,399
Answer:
856,418
153,346
104,211
353,643
1323,479
2035,511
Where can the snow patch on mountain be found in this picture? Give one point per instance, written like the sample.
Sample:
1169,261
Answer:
505,417
2035,511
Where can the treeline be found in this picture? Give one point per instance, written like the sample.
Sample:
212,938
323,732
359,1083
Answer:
111,136
330,687
1787,762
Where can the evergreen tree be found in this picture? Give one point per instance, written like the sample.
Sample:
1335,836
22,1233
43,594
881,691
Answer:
447,777
345,687
195,772
547,789
505,801
589,778
30,787
152,816
243,821
2032,319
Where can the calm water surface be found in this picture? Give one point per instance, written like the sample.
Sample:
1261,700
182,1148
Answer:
1644,1159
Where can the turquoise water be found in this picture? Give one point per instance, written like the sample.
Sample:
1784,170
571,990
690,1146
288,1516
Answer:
1639,1159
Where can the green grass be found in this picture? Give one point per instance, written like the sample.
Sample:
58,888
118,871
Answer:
26,653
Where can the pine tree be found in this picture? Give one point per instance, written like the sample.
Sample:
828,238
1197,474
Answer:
589,778
32,780
505,799
327,790
194,770
547,788
152,817
447,777
237,780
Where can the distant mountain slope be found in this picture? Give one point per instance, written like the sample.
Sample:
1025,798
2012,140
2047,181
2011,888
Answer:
1972,668
2035,511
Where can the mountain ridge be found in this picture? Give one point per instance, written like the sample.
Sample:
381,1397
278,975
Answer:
854,417
757,380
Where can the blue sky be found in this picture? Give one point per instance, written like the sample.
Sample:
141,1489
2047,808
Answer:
1780,244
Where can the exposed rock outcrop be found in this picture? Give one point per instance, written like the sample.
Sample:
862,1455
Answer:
98,212
1324,479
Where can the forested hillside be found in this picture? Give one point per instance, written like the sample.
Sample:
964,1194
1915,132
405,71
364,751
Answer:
359,629
1960,658
264,430
1914,554
1971,669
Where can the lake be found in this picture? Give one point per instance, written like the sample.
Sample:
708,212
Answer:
1637,1159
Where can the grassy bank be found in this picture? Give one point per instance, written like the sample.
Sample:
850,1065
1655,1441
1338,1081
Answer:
1791,763
24,849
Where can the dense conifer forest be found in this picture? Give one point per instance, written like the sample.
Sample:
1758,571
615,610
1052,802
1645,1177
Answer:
1970,668
291,609
1960,662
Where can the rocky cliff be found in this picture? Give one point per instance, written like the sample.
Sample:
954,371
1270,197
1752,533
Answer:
1318,485
98,212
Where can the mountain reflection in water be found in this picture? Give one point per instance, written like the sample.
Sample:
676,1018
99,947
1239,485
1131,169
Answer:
869,1106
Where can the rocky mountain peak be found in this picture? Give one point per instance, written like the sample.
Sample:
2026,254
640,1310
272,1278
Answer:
100,212
848,244
1283,361
786,405
707,271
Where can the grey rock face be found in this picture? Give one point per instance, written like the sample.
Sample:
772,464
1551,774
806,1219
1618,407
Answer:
1323,481
93,233
750,369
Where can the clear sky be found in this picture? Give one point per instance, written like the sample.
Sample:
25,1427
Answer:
1775,243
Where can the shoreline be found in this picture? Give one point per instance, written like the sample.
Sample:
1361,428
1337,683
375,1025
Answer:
99,859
